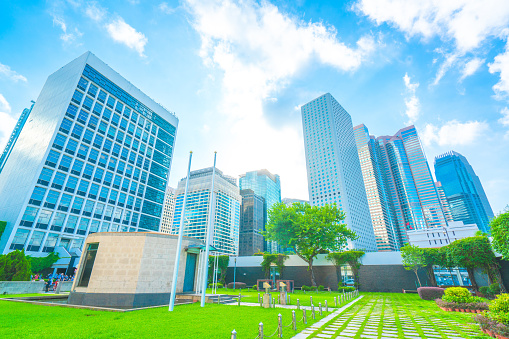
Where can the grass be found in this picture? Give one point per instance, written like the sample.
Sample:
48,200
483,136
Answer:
21,320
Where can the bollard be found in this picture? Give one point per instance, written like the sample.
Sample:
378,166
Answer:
311,300
239,298
260,331
234,335
280,326
313,311
304,318
326,306
259,298
335,302
218,299
294,321
320,308
289,299
298,304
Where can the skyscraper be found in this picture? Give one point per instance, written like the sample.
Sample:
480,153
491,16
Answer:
252,223
463,190
334,171
168,210
268,186
443,200
94,156
226,209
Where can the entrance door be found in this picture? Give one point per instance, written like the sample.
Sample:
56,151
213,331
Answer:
190,272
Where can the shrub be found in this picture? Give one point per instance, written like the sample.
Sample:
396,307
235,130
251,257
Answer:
218,285
320,288
306,288
255,287
484,290
500,304
494,289
485,322
237,285
430,293
471,306
346,288
457,294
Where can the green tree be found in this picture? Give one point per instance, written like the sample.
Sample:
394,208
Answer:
338,260
499,227
413,259
352,258
308,230
431,256
278,259
3,225
40,264
14,266
222,266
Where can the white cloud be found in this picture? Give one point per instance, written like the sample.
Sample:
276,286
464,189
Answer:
505,117
453,133
450,60
66,37
7,122
411,101
95,12
165,8
501,65
123,33
471,67
13,75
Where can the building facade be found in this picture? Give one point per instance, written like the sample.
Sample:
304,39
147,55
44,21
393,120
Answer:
168,210
252,223
441,236
291,201
334,171
443,200
94,156
268,186
463,190
226,209
14,135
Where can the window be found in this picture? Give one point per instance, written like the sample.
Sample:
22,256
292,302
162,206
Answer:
77,131
125,153
115,120
94,189
136,174
71,184
102,96
108,212
107,114
138,133
94,226
116,182
65,163
128,171
120,136
146,164
28,217
107,145
137,204
18,243
82,84
65,127
116,150
130,130
105,227
111,132
104,194
134,117
136,144
127,112
98,141
112,164
132,158
65,202
87,104
123,124
108,177
51,199
70,226
37,196
121,167
127,217
119,107
87,173
71,111
92,90
103,160
113,197
134,187
71,147
83,226
97,109
143,177
58,222
82,117
77,166
117,215
143,148
88,264
139,161
59,142
92,157
44,218
130,201
88,208
45,177
125,184
111,102
51,242
76,205
99,209
89,135
77,97
98,175
83,187
128,141
121,199
134,219
92,123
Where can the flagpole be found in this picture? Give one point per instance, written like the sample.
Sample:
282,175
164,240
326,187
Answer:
179,243
207,236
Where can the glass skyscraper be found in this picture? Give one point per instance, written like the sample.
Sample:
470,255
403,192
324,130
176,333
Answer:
252,223
226,209
463,190
334,170
94,156
268,186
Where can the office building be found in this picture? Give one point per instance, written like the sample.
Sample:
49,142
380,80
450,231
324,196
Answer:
268,186
226,209
14,135
334,171
291,201
463,190
443,200
94,156
441,236
252,223
384,225
168,210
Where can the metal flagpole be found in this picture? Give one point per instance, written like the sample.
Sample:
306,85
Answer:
179,243
207,235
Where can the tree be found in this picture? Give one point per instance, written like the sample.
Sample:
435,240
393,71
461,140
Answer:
431,256
3,225
413,259
499,227
278,259
308,230
471,253
222,265
14,267
352,258
40,264
338,260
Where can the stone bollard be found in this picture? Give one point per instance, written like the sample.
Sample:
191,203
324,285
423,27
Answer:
294,321
273,302
289,299
335,302
313,311
304,317
240,296
234,335
280,325
320,308
326,306
311,300
259,298
218,299
260,331
298,304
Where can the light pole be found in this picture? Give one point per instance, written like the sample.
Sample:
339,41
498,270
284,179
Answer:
234,272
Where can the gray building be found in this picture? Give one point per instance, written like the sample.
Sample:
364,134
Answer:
94,156
252,223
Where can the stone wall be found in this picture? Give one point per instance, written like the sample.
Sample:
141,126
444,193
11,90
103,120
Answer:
21,287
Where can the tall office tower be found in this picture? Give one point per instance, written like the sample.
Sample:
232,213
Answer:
334,171
463,190
168,210
378,200
443,200
14,135
291,201
252,223
226,209
267,186
94,156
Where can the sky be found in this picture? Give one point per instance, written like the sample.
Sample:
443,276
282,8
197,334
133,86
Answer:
236,73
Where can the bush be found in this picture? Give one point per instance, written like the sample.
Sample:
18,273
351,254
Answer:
346,288
479,304
255,287
494,289
500,304
457,294
218,285
320,288
430,293
306,288
484,290
237,285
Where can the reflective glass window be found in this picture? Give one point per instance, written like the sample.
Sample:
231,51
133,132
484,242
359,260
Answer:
65,163
107,145
58,180
87,173
119,107
77,204
77,97
123,124
37,196
92,157
94,189
115,119
20,238
51,242
83,187
103,160
120,136
130,201
28,217
71,111
111,102
65,127
106,114
88,208
77,167
43,220
99,209
51,199
89,135
92,90
102,127
71,147
35,242
103,195
128,140
77,131
97,109
111,132
116,150
70,225
70,186
58,222
82,117
59,141
45,176
102,96
125,153
108,177
98,175
113,197
87,104
83,226
112,164
117,181
65,202
82,84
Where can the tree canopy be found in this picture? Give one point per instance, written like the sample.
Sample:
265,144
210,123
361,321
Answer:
413,259
278,259
499,227
14,266
352,258
308,230
39,264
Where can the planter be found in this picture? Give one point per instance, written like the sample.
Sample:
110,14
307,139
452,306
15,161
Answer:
478,311
501,336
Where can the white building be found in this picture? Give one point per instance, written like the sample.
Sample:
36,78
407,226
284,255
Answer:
334,171
441,236
168,210
94,156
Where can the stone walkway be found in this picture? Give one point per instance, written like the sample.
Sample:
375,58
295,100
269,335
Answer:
379,317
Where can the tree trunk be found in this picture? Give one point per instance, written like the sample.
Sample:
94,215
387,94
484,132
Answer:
431,276
472,279
311,273
498,278
418,280
338,274
355,272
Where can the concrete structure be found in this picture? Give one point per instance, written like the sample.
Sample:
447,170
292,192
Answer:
463,190
438,237
226,209
334,171
252,223
168,210
94,156
133,269
268,186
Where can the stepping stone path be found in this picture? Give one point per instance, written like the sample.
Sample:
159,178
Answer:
390,317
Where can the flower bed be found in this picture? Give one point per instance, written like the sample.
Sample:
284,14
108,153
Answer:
472,307
495,323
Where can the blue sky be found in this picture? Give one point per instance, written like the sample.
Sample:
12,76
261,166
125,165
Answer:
236,72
